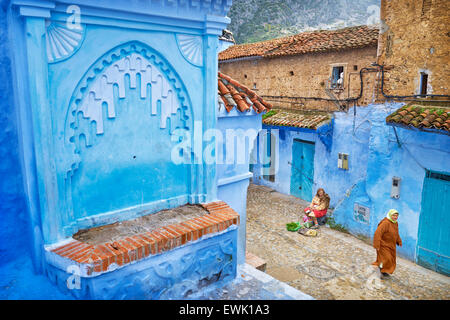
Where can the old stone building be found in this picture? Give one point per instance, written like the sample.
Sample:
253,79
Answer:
414,47
319,70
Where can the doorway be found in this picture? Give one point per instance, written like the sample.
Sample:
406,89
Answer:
302,169
433,245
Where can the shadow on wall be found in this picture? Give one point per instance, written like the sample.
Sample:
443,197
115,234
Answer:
14,224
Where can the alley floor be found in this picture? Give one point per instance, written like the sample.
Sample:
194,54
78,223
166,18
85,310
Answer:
333,265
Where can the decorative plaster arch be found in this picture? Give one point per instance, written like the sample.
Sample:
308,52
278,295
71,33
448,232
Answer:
95,89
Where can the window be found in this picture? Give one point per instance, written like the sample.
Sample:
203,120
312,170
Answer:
343,161
291,73
355,68
254,85
337,77
269,158
423,83
245,76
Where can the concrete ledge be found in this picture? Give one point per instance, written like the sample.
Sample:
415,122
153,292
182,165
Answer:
233,179
106,257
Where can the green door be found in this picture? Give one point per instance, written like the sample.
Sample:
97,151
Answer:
302,169
433,245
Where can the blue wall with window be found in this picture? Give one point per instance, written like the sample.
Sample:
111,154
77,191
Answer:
372,166
374,158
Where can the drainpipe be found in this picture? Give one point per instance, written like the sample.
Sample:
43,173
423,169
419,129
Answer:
396,137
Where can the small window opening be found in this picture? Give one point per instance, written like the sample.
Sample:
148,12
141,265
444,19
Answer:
291,73
269,157
245,76
355,67
337,77
423,83
254,85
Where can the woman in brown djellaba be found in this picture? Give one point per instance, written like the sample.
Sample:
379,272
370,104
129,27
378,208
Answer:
385,239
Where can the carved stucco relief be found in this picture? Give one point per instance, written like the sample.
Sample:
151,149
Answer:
192,48
62,41
102,90
97,89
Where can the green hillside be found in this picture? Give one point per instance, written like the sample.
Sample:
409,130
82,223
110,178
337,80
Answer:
257,20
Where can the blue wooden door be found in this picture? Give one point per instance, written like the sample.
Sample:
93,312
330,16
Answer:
433,246
302,169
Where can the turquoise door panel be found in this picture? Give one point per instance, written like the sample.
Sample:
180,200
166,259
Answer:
434,238
295,169
308,171
302,169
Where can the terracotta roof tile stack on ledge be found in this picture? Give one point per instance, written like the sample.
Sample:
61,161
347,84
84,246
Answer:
422,117
98,257
306,42
235,95
296,119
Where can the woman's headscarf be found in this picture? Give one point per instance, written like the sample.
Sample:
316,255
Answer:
390,213
325,198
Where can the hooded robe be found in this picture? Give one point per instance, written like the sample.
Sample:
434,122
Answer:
385,239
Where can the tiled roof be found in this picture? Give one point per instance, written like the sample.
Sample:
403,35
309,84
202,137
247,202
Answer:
422,117
233,94
251,49
297,119
306,42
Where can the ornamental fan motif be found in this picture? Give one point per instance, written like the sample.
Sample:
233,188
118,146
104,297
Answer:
192,48
62,41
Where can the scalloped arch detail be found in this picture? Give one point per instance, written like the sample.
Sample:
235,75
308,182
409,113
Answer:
62,42
96,89
191,47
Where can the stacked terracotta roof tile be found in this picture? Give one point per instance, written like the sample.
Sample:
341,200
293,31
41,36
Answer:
100,257
422,117
297,119
306,42
233,94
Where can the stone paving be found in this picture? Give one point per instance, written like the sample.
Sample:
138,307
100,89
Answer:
333,265
251,284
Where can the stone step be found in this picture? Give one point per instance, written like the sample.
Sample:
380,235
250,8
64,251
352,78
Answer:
255,261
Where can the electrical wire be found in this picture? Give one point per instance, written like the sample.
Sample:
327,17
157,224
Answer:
405,97
354,99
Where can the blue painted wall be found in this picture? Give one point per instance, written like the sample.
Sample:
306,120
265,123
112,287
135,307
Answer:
233,166
99,116
14,220
374,159
93,149
283,158
223,45
419,151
